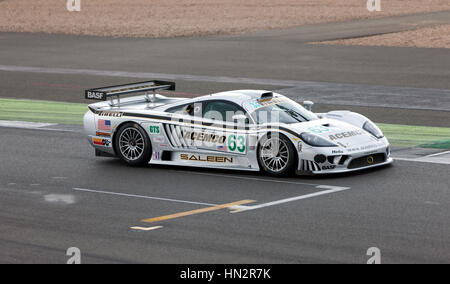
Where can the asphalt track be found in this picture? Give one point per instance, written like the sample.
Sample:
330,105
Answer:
42,215
56,194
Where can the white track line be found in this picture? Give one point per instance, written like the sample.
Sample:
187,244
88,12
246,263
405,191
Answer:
252,178
419,160
24,124
142,196
32,125
182,77
331,189
436,154
146,228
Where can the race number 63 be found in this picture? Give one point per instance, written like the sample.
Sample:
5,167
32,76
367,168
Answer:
236,143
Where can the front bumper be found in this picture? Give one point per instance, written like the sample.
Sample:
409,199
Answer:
340,161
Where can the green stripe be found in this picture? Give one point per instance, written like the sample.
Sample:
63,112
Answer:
442,144
409,136
42,111
72,113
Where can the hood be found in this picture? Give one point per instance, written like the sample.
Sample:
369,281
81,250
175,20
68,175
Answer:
338,132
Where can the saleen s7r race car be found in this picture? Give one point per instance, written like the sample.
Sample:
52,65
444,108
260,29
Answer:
244,130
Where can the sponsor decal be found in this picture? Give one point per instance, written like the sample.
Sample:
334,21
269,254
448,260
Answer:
265,102
111,113
91,95
270,101
222,148
159,139
99,133
208,158
154,129
364,148
163,145
337,152
347,134
156,156
228,142
318,129
205,137
255,105
104,125
101,141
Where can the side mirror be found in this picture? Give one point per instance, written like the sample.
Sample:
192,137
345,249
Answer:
240,118
308,105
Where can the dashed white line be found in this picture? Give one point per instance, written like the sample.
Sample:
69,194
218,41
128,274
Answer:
146,228
60,198
182,77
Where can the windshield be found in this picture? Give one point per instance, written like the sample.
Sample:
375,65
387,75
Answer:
279,110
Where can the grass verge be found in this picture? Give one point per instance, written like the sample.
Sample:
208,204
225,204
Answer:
421,136
42,111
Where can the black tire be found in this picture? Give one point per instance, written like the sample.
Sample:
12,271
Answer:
131,135
285,146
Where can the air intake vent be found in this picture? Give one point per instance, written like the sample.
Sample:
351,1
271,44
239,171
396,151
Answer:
367,161
267,95
166,156
310,166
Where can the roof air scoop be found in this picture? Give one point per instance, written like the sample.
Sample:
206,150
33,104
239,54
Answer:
267,95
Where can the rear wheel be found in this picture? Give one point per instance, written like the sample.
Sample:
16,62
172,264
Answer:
276,155
133,145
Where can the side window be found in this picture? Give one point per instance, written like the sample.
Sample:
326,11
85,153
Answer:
177,109
194,109
221,111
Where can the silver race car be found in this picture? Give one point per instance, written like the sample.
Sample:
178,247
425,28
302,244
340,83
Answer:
243,130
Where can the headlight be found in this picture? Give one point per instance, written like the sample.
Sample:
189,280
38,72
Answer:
370,127
316,141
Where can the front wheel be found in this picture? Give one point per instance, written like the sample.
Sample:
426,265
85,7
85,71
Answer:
276,155
133,145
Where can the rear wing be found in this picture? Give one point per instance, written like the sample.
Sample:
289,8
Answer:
104,93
